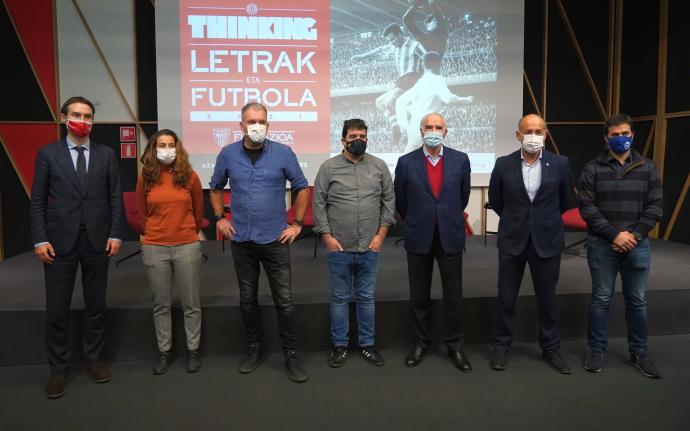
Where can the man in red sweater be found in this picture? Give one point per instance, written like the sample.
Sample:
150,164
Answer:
432,188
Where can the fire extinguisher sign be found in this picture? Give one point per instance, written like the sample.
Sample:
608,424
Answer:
128,150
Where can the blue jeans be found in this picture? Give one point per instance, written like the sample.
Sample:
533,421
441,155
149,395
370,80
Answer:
604,265
353,271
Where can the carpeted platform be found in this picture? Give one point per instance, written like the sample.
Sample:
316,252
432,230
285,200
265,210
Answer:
22,276
130,326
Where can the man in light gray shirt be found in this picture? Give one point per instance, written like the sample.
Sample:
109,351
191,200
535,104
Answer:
354,204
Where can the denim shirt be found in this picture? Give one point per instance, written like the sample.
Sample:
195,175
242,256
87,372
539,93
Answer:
257,202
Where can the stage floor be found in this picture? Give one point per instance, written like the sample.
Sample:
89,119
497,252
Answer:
22,286
131,332
433,396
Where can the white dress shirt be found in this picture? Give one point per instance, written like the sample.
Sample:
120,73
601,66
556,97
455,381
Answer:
74,153
531,175
432,159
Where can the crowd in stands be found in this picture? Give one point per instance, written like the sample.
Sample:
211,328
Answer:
471,51
471,128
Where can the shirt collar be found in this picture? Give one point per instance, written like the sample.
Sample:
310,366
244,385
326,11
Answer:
522,155
264,147
342,154
610,157
85,145
427,154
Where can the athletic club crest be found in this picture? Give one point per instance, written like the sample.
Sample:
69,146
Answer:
221,136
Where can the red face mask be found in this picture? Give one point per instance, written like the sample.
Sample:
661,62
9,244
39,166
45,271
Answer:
79,128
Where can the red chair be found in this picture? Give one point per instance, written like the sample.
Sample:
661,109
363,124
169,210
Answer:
308,221
227,197
574,221
468,228
134,221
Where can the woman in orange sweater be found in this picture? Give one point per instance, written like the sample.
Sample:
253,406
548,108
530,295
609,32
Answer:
171,204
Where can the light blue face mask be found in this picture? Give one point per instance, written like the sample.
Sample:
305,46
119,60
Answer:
433,139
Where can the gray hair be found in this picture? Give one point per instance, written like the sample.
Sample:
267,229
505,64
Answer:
253,106
421,123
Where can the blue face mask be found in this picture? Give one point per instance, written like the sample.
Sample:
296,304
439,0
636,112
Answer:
620,144
433,139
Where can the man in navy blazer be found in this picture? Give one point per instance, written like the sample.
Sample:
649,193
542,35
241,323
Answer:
530,189
76,220
432,188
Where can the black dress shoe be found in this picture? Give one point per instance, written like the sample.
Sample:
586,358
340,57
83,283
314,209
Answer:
556,361
294,367
162,364
415,356
372,355
193,361
498,360
253,359
337,357
460,360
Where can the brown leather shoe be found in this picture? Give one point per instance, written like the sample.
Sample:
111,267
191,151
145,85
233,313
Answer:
97,372
56,386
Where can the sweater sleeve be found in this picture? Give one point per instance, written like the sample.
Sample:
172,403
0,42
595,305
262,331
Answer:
596,222
653,205
142,206
197,201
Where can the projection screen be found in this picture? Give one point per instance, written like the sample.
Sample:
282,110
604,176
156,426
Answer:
316,63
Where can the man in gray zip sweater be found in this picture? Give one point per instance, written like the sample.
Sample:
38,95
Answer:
621,201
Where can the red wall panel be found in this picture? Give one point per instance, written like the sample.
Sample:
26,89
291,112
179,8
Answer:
22,142
34,23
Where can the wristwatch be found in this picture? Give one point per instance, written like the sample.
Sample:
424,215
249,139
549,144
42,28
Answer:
220,217
638,236
300,223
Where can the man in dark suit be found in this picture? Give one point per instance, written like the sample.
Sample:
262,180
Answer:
432,188
76,220
530,189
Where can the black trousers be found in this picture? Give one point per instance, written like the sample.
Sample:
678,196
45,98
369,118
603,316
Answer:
275,258
419,269
544,273
59,280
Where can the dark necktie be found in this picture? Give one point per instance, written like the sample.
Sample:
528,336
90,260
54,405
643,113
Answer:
81,168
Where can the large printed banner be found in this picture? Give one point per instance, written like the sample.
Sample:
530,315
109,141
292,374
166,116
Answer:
276,54
318,63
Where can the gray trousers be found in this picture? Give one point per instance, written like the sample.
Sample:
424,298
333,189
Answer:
178,266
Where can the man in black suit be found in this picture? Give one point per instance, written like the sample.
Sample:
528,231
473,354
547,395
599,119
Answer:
530,189
432,189
76,220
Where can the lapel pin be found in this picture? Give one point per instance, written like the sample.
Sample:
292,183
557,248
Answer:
547,163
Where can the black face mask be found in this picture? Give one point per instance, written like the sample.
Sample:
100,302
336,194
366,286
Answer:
357,147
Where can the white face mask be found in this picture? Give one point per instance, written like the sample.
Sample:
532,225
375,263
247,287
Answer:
165,155
532,143
256,132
